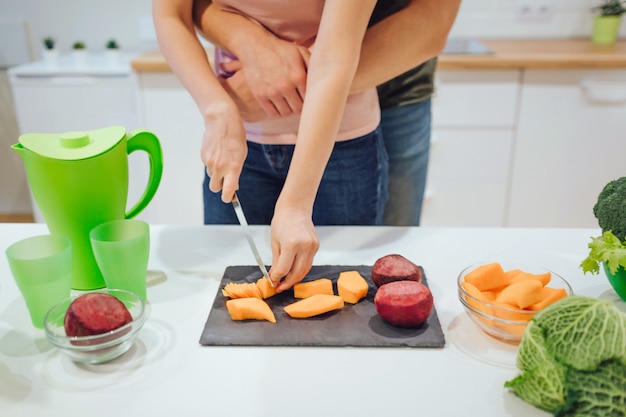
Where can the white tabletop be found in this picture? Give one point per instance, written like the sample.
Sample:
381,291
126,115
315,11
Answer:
168,373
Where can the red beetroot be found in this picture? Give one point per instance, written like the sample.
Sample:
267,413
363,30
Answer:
404,303
95,313
395,267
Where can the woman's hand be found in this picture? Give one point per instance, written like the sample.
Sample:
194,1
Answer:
294,245
224,149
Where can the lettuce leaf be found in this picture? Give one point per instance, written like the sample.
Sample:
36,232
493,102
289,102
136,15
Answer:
598,393
606,248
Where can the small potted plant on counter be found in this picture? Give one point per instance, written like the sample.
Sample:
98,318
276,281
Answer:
79,52
608,251
112,51
50,53
607,22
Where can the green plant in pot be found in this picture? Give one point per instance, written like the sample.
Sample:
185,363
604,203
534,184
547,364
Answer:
112,44
609,250
607,22
48,43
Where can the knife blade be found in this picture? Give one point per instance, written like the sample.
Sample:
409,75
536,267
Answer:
246,230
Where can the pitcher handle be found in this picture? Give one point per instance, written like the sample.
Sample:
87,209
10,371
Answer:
143,140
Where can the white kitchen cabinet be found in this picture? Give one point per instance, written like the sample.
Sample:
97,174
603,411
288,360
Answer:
170,113
474,114
571,141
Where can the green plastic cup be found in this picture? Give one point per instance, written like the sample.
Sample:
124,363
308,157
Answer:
122,249
42,269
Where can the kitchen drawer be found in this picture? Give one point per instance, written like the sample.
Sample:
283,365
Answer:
476,98
570,143
467,177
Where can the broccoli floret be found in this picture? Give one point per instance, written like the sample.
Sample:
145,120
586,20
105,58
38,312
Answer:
610,210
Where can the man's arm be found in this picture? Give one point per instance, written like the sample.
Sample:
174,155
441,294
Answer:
275,69
404,40
391,47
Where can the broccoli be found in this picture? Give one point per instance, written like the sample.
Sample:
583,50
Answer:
610,210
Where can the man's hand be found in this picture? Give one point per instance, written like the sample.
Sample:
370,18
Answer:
275,77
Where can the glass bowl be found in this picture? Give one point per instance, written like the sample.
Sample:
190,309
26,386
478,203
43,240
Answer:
504,323
96,348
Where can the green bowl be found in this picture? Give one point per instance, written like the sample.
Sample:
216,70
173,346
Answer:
617,280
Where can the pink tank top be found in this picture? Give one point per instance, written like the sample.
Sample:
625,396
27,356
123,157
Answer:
298,21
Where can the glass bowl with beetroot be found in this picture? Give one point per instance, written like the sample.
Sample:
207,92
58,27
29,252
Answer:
96,326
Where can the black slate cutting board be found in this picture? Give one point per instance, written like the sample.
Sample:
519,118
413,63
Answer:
355,325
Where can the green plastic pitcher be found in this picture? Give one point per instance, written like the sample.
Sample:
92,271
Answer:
80,180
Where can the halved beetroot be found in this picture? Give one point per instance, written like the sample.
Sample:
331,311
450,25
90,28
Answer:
95,313
404,303
395,267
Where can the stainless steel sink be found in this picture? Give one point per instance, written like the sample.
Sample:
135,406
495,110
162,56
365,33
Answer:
465,46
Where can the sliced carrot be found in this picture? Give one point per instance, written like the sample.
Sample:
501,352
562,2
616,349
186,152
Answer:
511,315
488,277
511,273
250,309
309,288
241,290
314,305
521,294
351,286
548,296
544,278
265,289
491,294
478,305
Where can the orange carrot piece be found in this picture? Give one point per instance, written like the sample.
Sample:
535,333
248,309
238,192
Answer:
309,288
265,289
351,286
521,294
250,309
314,305
548,296
241,290
511,273
478,305
544,278
488,277
511,315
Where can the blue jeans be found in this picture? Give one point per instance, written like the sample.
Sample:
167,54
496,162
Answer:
406,132
353,190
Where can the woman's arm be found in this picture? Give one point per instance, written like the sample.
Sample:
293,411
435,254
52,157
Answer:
224,146
332,67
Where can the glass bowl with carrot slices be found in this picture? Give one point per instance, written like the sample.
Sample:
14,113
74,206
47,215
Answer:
502,297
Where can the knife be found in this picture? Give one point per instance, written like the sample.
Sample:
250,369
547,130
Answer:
246,230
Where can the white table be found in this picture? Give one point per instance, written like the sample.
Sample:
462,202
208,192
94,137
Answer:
167,372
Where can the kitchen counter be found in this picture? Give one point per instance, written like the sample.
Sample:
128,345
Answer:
506,54
167,372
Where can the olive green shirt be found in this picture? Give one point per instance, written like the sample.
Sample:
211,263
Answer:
414,85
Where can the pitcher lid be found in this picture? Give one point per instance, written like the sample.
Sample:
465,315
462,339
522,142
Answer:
73,145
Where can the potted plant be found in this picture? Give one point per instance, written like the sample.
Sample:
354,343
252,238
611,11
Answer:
50,53
607,22
112,51
608,251
79,52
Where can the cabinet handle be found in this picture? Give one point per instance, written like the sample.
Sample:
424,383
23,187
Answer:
604,91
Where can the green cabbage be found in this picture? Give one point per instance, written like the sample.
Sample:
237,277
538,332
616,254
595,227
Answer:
572,359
